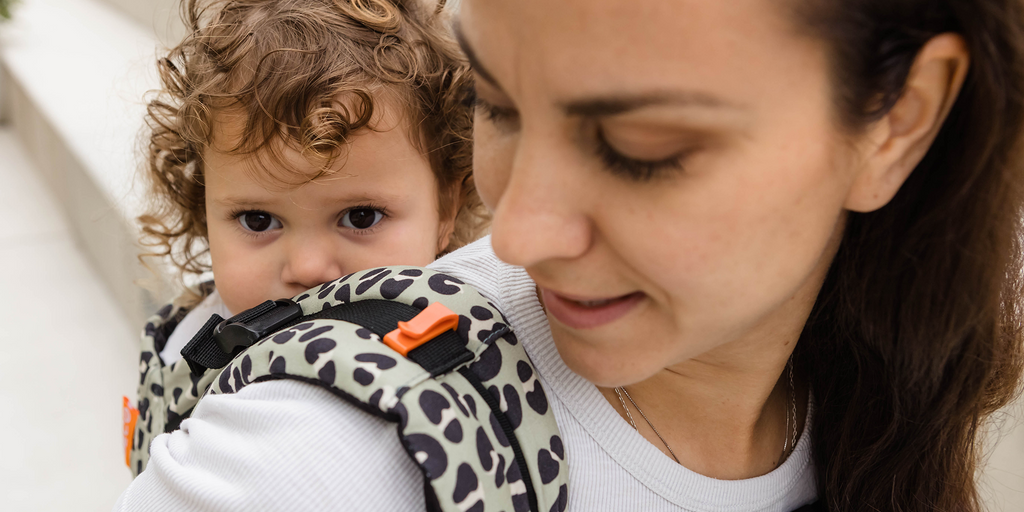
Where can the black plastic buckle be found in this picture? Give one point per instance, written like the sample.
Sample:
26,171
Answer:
232,334
219,341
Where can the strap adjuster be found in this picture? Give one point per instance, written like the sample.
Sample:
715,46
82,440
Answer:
219,341
427,325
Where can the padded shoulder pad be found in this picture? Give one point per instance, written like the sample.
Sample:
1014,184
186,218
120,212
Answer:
482,434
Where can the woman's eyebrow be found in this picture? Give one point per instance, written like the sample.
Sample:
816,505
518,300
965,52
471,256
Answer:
615,104
474,62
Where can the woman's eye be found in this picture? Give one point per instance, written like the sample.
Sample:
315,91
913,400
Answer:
361,218
635,169
258,222
504,117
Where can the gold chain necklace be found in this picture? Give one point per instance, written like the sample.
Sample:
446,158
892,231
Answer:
790,417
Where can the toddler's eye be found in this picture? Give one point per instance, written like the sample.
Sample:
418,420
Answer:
361,218
258,222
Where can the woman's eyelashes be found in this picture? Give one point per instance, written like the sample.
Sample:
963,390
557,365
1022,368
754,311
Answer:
633,168
506,119
257,221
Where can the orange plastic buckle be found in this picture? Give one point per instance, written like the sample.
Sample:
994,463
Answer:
425,326
129,416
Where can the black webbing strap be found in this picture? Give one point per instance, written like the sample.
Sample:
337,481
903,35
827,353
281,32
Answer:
201,352
437,356
219,341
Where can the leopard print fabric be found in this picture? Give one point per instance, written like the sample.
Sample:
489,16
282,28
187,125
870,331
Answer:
443,423
167,393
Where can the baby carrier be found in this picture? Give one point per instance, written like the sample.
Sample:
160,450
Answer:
418,348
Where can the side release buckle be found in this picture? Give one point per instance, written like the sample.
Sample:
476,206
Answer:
219,341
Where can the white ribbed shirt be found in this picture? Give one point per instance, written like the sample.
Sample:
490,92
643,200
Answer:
288,445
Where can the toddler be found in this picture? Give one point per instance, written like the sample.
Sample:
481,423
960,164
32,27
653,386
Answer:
294,142
299,141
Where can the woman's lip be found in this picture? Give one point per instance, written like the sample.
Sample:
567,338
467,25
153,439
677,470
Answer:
587,313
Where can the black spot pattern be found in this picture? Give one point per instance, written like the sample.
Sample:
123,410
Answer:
343,294
484,448
157,389
375,398
471,402
283,337
557,448
499,473
562,501
369,283
315,332
302,297
371,273
481,313
437,461
317,347
520,502
421,303
536,398
362,376
247,369
524,371
177,394
143,407
455,398
511,338
547,466
325,290
499,434
465,483
278,366
439,284
327,373
391,288
515,407
364,333
225,381
498,329
433,405
382,361
488,365
453,432
411,272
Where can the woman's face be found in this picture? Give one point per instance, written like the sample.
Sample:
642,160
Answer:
669,172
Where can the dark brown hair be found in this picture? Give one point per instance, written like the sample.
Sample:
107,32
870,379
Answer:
915,338
308,73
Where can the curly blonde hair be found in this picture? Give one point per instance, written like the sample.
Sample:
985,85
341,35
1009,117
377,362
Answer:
286,65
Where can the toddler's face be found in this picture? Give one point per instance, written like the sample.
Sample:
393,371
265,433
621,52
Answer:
268,241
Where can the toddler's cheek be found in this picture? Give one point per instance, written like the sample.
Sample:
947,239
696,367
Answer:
241,286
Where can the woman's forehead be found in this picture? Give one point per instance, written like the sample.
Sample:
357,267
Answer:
579,48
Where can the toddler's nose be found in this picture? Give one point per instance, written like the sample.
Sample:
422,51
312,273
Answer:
311,264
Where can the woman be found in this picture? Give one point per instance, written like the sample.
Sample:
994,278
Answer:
775,243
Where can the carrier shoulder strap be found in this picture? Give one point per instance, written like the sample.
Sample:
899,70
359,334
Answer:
428,352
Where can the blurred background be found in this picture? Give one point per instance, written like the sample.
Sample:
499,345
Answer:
73,78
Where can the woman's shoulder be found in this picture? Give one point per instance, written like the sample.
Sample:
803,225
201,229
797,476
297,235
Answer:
255,449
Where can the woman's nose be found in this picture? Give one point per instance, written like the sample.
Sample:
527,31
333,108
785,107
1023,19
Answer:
311,261
541,213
